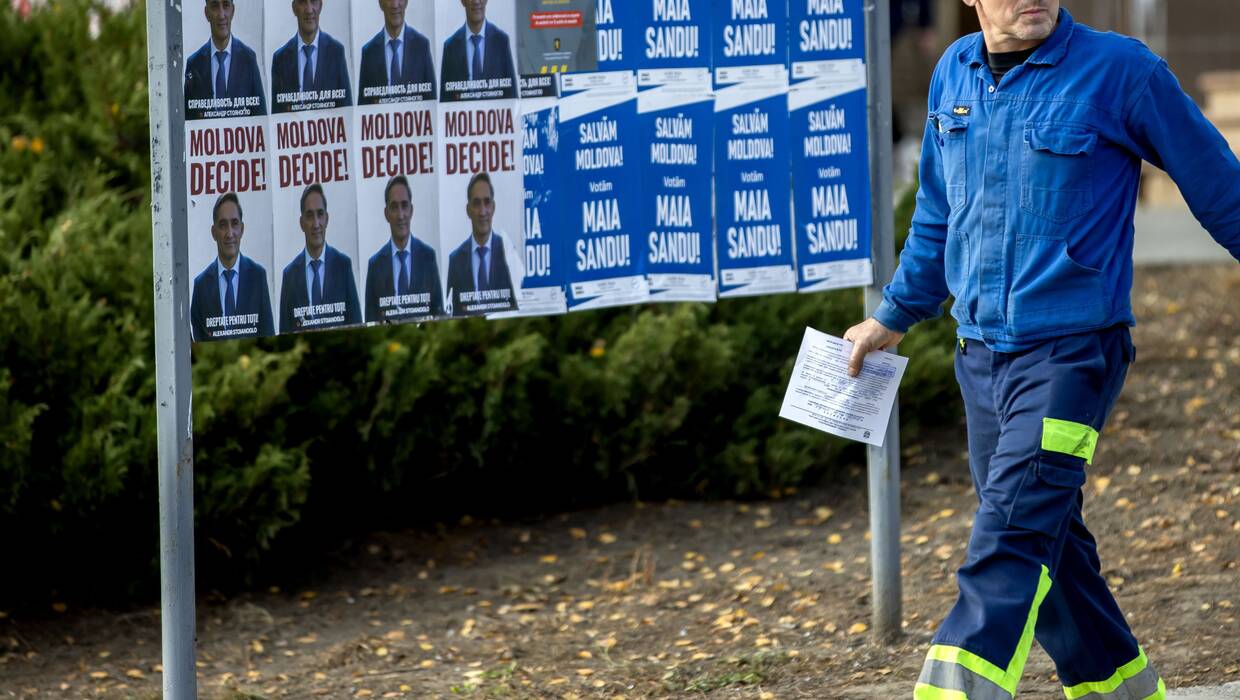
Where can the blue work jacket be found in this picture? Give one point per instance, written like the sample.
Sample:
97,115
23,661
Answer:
1028,186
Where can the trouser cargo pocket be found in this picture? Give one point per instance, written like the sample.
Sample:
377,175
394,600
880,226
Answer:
1046,493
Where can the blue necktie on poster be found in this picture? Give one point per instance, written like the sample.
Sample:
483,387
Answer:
402,287
484,282
307,76
230,294
394,73
476,68
316,284
221,83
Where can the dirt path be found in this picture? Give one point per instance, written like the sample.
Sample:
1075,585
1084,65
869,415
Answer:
766,600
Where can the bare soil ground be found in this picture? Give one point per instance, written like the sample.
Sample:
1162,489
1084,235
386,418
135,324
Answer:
729,600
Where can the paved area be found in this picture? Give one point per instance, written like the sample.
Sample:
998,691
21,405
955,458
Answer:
1230,691
1172,235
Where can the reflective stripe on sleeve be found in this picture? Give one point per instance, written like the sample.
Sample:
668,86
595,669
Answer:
1135,680
1066,437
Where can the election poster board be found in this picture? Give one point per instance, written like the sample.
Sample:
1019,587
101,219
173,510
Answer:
675,106
830,149
397,186
554,36
598,139
229,208
387,162
314,196
753,226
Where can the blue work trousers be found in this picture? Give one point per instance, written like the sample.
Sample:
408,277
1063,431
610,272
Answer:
1032,569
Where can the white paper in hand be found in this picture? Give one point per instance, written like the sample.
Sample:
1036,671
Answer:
823,396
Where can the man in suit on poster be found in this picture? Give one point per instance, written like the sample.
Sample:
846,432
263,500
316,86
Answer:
478,268
398,55
310,61
479,50
223,67
319,281
404,265
233,290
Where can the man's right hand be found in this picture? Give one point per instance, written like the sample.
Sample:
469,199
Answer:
866,337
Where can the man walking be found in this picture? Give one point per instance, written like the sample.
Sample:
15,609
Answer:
1029,176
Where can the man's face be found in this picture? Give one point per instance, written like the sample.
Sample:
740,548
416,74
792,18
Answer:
475,11
314,221
399,212
219,15
307,12
227,231
1013,25
393,12
480,208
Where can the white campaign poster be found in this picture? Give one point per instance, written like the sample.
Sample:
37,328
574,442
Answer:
227,178
478,158
312,165
396,180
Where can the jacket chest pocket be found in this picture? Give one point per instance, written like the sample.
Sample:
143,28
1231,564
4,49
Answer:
1056,170
953,132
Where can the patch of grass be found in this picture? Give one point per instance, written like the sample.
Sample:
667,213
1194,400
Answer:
749,669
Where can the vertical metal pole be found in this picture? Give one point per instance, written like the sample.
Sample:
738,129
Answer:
884,462
172,348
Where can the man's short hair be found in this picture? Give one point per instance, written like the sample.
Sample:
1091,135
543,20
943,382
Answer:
480,177
398,180
316,187
226,197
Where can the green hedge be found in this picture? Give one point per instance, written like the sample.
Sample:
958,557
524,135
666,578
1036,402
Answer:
303,442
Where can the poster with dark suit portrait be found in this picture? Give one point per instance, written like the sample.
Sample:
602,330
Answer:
313,165
228,185
554,36
398,206
310,57
230,257
476,49
394,42
224,71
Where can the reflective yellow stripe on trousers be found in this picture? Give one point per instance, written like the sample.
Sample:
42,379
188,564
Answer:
1135,680
951,673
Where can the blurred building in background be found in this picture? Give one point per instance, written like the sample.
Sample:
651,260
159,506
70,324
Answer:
1199,38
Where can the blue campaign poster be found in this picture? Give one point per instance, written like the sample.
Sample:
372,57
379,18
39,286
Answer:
824,30
677,152
753,235
749,33
546,250
830,148
618,34
831,183
599,141
674,34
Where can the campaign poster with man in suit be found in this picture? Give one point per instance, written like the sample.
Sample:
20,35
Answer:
230,297
484,270
395,61
554,36
228,184
318,288
476,50
224,77
309,66
402,276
